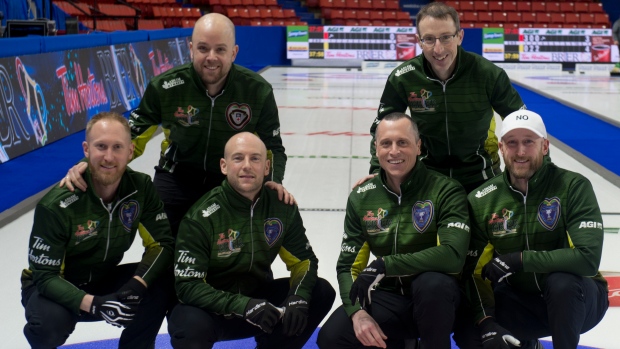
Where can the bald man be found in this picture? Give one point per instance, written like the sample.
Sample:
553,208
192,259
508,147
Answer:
225,247
200,105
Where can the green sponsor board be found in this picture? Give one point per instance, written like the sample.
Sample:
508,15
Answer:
297,33
492,35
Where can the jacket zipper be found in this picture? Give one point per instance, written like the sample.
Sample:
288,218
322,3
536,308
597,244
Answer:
110,211
204,161
445,102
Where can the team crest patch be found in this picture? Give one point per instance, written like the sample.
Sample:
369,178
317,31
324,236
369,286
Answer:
229,243
273,230
238,115
549,212
128,213
422,215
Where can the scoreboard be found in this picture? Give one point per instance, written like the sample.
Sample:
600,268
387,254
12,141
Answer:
548,45
355,43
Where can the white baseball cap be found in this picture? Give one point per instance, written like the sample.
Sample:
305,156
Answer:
523,119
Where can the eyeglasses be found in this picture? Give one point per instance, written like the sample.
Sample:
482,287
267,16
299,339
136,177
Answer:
444,40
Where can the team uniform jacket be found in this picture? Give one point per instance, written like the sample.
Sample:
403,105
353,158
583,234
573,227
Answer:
455,117
197,126
423,229
76,239
226,245
558,226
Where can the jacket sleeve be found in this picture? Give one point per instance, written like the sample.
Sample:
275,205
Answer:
268,130
299,258
46,252
391,101
478,291
145,119
452,238
504,97
354,255
584,230
191,265
154,229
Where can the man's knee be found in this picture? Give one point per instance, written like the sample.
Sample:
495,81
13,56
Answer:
431,285
48,331
191,327
563,286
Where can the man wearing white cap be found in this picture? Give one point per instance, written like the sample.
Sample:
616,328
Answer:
535,250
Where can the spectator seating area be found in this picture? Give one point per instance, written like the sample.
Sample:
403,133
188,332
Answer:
533,14
112,15
361,12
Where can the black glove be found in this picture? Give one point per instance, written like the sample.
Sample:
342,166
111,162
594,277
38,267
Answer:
502,266
494,336
360,290
110,309
263,314
132,292
295,315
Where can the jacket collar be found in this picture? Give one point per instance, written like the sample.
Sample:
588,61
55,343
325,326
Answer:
237,200
538,179
125,188
414,180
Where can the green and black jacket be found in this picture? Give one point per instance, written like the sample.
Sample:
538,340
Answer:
455,117
76,239
558,226
227,243
426,228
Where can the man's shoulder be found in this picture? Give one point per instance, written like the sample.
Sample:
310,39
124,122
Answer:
244,75
407,68
370,187
492,186
60,198
209,204
176,76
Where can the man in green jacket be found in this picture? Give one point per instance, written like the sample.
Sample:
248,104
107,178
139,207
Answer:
537,239
79,238
225,247
200,105
451,94
415,222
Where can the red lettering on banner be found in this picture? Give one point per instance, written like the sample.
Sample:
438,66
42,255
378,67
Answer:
86,96
162,66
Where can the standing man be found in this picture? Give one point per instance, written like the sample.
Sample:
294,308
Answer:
451,95
200,105
537,238
79,238
226,245
415,222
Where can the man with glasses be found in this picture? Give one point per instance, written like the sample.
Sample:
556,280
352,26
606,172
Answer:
451,94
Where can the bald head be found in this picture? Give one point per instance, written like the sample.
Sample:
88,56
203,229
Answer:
215,22
245,164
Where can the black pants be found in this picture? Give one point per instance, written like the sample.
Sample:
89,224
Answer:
429,314
49,324
568,306
193,328
181,189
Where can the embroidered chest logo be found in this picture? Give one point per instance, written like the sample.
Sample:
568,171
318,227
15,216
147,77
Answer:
229,243
273,230
422,215
504,224
421,102
186,117
379,223
549,212
238,115
86,231
128,213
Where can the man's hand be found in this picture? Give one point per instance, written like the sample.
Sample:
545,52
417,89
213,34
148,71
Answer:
131,292
502,267
295,315
74,177
367,330
113,311
494,336
283,194
262,314
364,179
360,290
